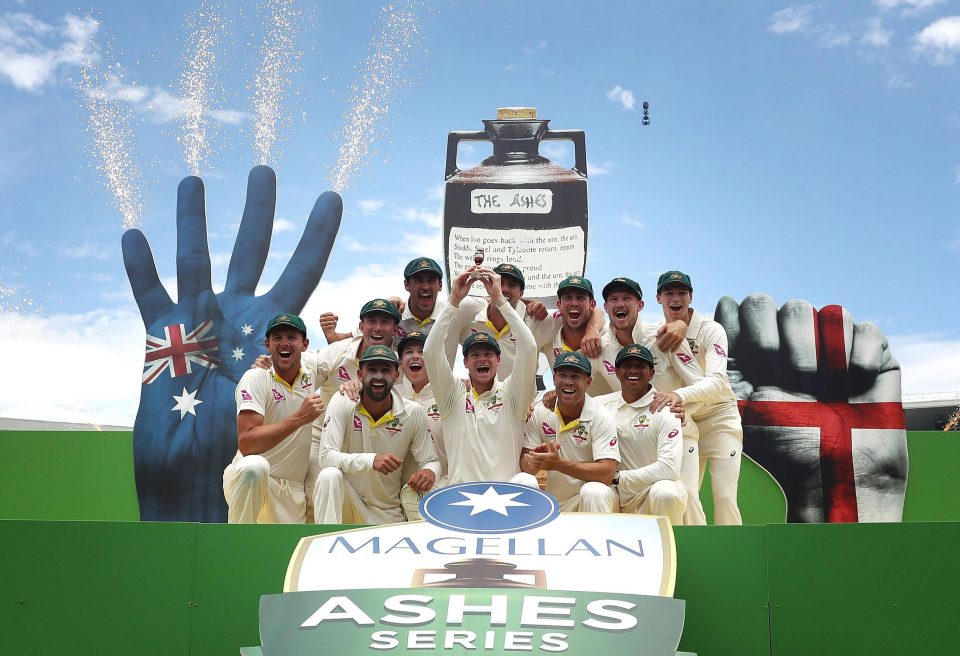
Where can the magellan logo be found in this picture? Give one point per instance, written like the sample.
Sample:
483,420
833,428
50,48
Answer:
489,508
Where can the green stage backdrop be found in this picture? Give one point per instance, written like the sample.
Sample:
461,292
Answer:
126,587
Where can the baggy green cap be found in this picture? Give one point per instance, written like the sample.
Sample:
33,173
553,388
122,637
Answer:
626,283
422,264
381,305
636,351
291,320
419,335
512,271
574,359
575,282
480,338
379,353
674,277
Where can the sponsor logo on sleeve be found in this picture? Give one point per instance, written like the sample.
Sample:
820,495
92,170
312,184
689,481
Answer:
547,429
469,407
608,367
277,396
342,374
672,434
245,395
684,358
719,350
357,424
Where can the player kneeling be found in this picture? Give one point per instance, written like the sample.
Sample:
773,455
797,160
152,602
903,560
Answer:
651,443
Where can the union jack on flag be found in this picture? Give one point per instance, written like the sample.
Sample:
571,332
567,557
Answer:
176,352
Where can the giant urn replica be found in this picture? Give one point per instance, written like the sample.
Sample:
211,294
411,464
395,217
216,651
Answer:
517,206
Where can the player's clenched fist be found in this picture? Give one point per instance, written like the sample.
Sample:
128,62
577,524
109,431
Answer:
821,407
310,410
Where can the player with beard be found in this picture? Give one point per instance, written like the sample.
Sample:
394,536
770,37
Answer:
574,326
483,426
706,388
265,482
365,445
623,300
651,449
576,443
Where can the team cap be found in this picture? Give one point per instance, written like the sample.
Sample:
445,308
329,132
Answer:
422,264
622,283
636,352
674,277
381,305
482,339
574,359
291,320
575,282
512,271
379,353
412,336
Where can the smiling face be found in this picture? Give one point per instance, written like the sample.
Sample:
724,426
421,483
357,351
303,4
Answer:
675,299
411,364
377,328
575,308
423,288
634,375
285,345
378,379
482,363
623,307
512,289
571,385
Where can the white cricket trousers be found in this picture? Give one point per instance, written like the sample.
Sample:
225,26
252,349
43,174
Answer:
721,445
690,475
668,498
594,497
255,497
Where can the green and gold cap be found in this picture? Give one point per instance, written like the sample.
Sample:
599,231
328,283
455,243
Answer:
381,305
422,264
575,282
291,320
480,338
512,271
671,277
636,351
379,353
419,335
631,286
574,359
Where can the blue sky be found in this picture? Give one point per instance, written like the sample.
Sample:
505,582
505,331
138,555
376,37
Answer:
807,151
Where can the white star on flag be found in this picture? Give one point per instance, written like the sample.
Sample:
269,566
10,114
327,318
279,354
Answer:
238,353
489,500
187,403
246,329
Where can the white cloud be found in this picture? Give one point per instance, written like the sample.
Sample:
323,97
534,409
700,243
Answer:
830,37
370,205
105,386
436,192
283,225
908,7
429,218
926,363
32,52
795,18
89,251
229,116
628,219
875,35
623,96
939,41
598,168
157,104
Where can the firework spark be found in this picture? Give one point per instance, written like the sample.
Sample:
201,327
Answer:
280,60
112,138
386,70
197,84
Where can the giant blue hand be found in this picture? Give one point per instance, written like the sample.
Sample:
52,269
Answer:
197,348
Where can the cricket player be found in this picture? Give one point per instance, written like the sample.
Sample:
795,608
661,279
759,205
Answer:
576,443
275,409
623,300
365,445
482,426
651,443
707,390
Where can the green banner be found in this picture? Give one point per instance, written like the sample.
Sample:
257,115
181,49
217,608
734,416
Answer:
475,620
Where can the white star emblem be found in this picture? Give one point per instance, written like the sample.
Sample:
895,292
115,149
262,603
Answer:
246,329
186,403
238,353
489,500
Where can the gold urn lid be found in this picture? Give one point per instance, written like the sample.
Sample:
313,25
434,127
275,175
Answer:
516,112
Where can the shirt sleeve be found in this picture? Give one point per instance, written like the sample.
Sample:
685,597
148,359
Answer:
669,453
422,446
710,388
334,435
250,394
603,431
544,331
521,385
447,388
